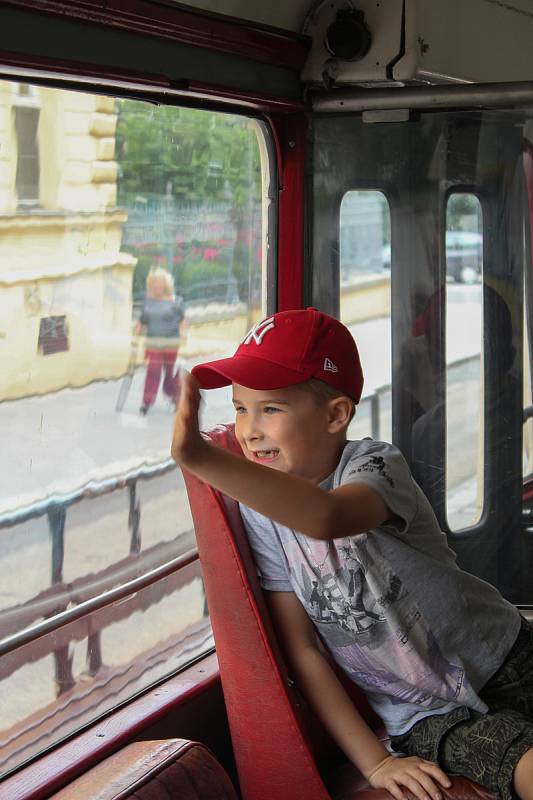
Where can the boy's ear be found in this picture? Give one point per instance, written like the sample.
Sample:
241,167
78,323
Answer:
340,412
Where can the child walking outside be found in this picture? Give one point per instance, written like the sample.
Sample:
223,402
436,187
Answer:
160,320
349,551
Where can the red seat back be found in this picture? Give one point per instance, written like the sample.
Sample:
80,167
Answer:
270,727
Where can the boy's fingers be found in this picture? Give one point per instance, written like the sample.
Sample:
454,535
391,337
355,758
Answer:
393,789
190,391
435,771
430,789
415,787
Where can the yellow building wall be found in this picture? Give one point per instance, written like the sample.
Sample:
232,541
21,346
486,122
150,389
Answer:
97,307
62,257
365,298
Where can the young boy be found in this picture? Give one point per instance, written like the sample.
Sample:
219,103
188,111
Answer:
348,548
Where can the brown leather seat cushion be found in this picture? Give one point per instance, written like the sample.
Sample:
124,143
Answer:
173,769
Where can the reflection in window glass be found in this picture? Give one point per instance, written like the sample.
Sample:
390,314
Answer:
365,262
130,244
464,359
527,438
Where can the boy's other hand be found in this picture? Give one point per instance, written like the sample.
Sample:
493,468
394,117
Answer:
418,776
187,441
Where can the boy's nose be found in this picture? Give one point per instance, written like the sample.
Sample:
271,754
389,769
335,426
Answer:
253,435
252,432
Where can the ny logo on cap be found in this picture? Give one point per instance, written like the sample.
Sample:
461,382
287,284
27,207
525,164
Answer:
258,331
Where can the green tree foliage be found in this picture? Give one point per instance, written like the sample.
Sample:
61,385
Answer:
463,212
197,156
177,162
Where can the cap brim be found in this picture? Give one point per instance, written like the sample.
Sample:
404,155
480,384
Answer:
254,373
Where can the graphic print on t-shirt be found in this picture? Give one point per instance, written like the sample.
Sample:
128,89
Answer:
355,609
371,625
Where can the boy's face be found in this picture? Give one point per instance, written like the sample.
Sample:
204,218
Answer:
287,429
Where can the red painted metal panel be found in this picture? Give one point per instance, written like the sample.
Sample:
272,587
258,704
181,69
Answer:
290,136
215,32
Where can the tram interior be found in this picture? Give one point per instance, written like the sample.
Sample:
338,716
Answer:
371,159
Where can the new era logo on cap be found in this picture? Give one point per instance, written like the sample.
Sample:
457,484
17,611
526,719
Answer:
288,348
329,366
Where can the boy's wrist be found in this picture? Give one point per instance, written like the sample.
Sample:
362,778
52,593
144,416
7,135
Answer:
371,772
192,456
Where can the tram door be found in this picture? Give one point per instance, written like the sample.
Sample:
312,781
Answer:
452,256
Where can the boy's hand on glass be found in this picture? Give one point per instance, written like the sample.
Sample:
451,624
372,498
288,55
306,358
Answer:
417,776
187,442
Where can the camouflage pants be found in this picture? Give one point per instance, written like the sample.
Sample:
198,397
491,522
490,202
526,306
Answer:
484,747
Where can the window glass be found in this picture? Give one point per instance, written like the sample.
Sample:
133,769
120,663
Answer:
464,360
365,303
527,441
131,244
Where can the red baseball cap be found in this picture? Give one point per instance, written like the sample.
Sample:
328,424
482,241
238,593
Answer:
287,348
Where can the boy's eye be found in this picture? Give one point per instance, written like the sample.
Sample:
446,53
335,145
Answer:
239,409
270,410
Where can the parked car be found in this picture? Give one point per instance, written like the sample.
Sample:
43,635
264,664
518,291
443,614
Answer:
464,256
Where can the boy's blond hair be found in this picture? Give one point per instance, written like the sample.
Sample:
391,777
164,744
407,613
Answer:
322,392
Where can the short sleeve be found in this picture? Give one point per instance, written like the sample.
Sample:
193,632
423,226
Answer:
383,468
267,551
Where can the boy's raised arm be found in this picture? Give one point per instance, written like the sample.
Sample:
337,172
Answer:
319,684
287,499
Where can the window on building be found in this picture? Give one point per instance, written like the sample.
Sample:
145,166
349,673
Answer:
27,111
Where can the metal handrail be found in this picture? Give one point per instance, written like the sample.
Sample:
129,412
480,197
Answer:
88,491
48,626
481,95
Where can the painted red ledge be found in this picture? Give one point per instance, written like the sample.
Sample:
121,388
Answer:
66,762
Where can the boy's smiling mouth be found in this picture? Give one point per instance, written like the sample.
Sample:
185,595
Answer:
264,455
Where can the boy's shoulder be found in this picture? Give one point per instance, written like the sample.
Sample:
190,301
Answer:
368,456
356,448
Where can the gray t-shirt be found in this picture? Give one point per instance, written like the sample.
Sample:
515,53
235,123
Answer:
416,633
